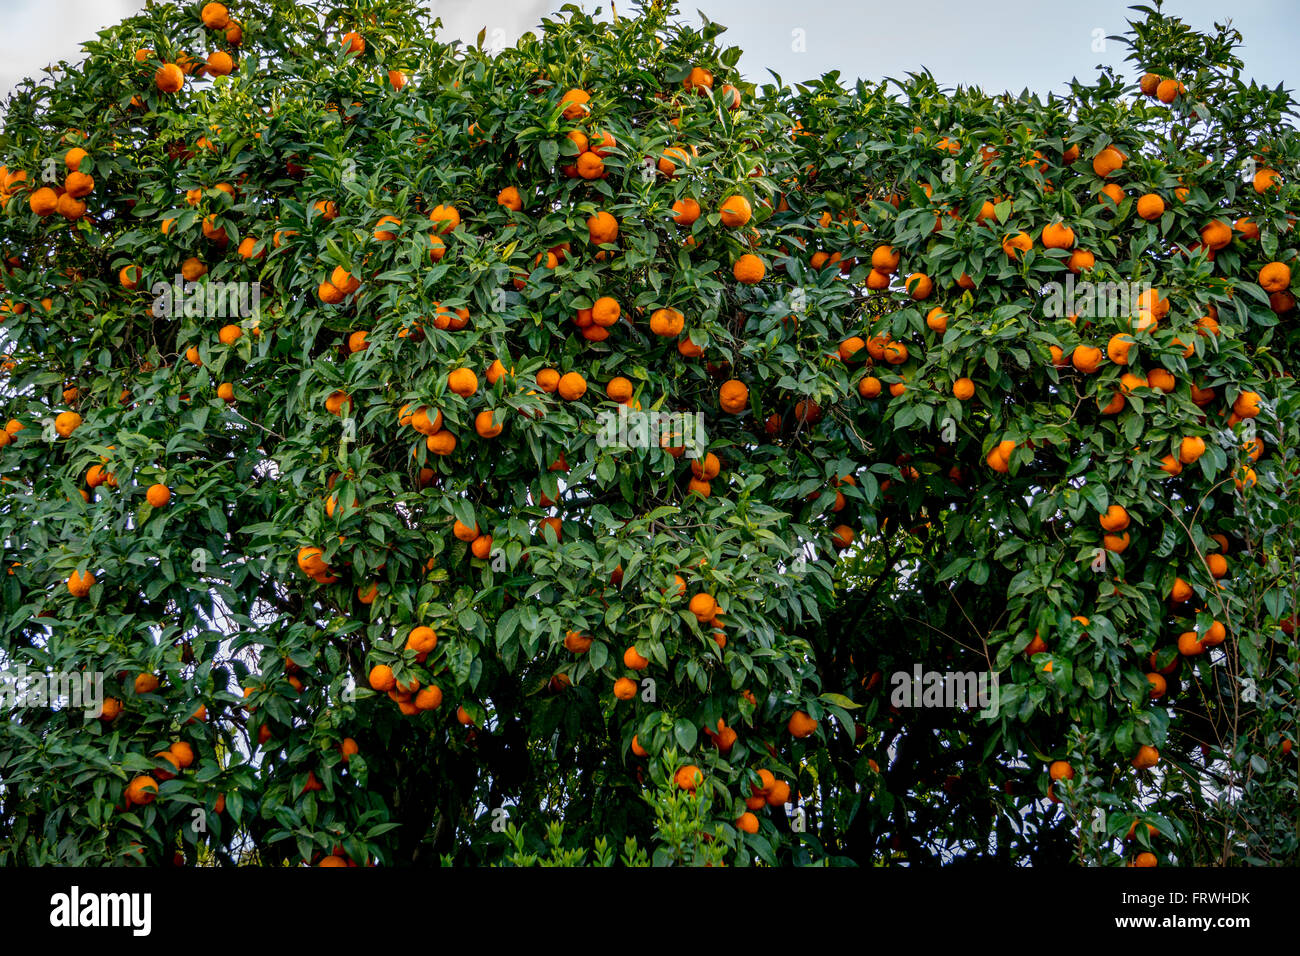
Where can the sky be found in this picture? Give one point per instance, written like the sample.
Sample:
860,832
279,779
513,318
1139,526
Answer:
995,44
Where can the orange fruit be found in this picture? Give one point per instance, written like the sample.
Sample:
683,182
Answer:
1275,277
486,425
801,725
1115,519
1190,449
605,311
602,229
1150,206
688,777
1057,236
667,323
571,386
733,396
703,606
43,201
1190,644
429,698
462,381
686,211
1265,180
142,790
735,211
575,103
214,16
1216,234
1086,359
169,78
885,259
1107,161
749,269
1147,756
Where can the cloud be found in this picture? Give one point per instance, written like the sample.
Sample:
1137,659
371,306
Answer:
38,33
504,20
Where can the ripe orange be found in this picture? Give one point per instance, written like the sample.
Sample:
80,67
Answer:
1275,277
1147,756
706,469
801,725
43,201
1057,236
1113,192
733,396
487,425
688,777
381,678
141,791
1086,359
571,386
1190,644
429,698
1216,234
703,606
735,211
169,78
576,642
1150,206
1014,245
686,211
869,386
575,104
749,269
214,16
667,323
220,63
1107,161
602,229
1169,90
885,259
422,639
1190,449
1265,180
1218,565
1115,519
462,381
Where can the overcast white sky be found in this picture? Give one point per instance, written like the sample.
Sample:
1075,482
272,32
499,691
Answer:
995,44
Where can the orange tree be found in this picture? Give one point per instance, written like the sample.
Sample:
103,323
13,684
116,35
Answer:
330,359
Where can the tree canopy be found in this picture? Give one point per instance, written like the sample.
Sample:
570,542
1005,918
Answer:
576,453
